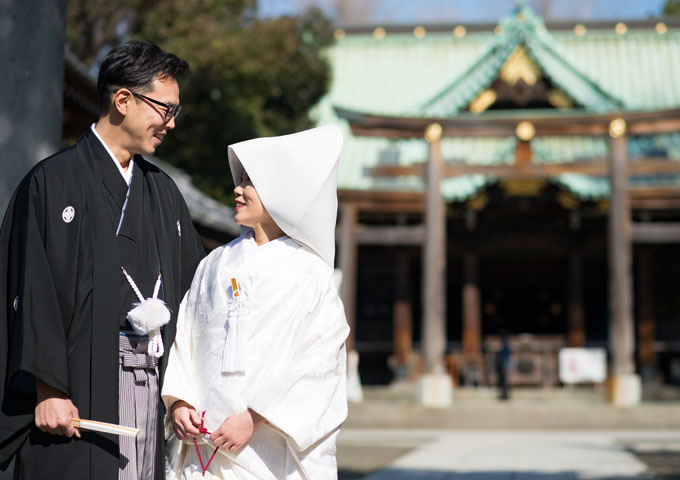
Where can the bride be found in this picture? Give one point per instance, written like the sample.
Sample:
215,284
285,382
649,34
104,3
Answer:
255,384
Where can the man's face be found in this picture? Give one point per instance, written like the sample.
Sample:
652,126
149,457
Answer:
146,123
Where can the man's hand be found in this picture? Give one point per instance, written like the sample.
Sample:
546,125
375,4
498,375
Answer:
54,411
236,430
185,420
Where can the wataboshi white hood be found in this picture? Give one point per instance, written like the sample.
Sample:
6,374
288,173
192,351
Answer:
296,178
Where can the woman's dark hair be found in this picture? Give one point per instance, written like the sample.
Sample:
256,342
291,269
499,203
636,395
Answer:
135,65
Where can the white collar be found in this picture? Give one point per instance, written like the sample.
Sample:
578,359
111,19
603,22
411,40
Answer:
127,176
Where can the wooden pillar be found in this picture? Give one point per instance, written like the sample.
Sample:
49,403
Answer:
624,384
645,310
523,152
434,268
576,333
402,316
620,278
471,367
348,266
472,311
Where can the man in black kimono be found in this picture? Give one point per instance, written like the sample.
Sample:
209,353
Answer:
74,221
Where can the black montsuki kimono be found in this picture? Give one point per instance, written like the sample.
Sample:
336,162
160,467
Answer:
60,303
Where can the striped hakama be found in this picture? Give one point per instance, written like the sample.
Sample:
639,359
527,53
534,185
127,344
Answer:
137,407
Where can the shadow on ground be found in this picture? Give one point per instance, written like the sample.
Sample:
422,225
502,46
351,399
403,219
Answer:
357,461
663,465
402,474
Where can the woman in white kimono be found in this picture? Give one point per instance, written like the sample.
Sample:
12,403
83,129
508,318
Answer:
255,384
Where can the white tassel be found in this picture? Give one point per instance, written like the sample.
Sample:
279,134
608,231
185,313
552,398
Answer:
235,355
234,358
148,316
155,343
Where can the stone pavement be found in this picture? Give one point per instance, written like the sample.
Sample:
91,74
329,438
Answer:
557,434
511,455
537,435
474,409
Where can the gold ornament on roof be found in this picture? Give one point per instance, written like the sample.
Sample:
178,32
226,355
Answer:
621,28
580,29
433,132
459,31
483,101
339,34
525,131
520,66
617,128
559,99
523,187
419,32
379,33
661,28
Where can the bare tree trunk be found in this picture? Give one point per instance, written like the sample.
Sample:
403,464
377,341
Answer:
31,92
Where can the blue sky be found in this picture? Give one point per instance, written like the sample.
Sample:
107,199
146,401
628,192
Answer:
453,11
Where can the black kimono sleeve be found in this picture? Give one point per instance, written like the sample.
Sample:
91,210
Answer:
186,249
33,317
191,247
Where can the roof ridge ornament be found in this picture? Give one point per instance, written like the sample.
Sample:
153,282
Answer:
524,28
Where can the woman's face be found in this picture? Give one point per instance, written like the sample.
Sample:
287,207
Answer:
249,209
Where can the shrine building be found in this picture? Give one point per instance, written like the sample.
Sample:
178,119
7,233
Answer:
521,177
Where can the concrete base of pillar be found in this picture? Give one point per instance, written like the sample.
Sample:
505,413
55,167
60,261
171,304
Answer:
624,390
435,390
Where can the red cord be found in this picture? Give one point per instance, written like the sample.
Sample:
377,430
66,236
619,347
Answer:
199,456
204,431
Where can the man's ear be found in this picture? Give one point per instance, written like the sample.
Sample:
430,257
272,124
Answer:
121,101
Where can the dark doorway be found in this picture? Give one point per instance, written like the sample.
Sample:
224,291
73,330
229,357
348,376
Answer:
523,292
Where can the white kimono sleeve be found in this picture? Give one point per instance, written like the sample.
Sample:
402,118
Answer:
309,400
178,381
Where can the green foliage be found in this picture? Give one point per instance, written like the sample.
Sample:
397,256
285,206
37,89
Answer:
671,7
249,78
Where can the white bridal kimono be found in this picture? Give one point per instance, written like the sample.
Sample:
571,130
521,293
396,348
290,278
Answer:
285,360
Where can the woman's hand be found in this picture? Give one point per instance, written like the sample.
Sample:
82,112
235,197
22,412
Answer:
185,420
236,430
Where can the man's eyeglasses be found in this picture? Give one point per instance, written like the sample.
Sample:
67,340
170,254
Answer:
170,109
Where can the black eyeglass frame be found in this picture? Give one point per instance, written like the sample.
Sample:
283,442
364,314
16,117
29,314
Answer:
170,109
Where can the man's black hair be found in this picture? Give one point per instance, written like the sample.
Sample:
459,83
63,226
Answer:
135,65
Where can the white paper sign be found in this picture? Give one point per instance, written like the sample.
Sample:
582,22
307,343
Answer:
581,365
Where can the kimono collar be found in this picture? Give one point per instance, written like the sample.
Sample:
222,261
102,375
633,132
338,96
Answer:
127,176
296,179
259,258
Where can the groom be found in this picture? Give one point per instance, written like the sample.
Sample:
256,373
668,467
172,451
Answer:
67,347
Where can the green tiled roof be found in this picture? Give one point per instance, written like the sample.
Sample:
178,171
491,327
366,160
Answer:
525,28
440,73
